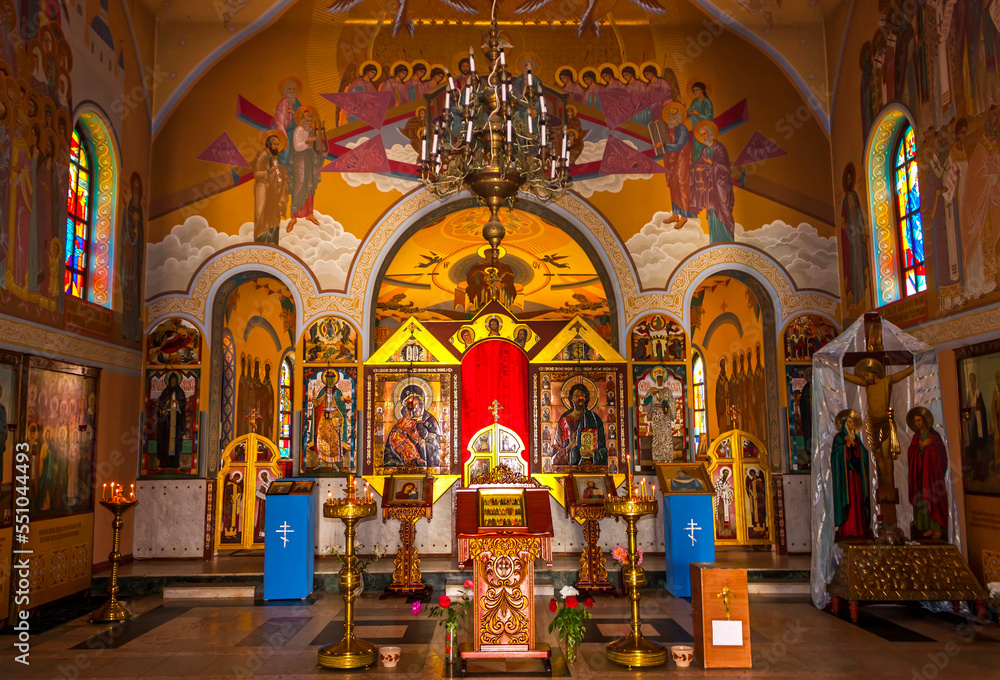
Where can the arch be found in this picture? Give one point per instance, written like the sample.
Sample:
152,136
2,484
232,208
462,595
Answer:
722,320
266,326
699,402
104,202
416,212
878,161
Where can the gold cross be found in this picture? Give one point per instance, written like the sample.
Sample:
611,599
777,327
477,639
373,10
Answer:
253,417
495,408
734,414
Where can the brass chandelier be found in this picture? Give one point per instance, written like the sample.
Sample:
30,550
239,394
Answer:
494,138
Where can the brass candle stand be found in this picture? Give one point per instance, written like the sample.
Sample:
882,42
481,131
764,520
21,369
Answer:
349,652
634,650
114,611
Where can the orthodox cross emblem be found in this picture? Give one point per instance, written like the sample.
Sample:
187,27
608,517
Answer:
284,530
691,528
495,409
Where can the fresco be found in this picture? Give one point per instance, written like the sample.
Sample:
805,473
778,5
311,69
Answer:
805,335
979,397
174,342
799,398
330,340
171,432
445,272
8,439
62,421
329,419
657,337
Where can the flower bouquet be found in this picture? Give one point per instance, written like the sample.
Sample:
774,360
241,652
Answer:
570,618
620,555
453,614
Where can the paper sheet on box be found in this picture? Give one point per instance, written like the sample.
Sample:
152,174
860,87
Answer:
727,633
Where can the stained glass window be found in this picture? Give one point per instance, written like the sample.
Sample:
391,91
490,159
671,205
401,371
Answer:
700,399
285,408
909,233
79,220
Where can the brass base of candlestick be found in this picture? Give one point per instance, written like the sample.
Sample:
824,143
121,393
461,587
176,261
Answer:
636,652
348,653
111,611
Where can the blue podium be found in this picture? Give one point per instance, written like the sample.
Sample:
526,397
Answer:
290,539
688,521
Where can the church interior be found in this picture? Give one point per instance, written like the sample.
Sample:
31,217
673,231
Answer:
661,336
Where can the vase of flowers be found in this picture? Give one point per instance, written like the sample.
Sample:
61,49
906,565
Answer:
453,614
620,555
570,620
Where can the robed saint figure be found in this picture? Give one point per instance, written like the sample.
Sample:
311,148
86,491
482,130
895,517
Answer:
171,417
851,474
927,464
580,432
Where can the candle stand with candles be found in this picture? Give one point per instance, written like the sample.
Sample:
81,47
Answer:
118,503
349,652
634,650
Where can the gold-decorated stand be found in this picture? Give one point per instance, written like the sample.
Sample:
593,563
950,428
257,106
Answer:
408,496
743,508
114,611
634,650
897,573
503,526
349,652
586,490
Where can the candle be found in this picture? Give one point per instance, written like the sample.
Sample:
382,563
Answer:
531,127
423,149
329,496
563,144
503,93
468,95
451,82
503,58
447,100
653,494
104,491
643,487
510,131
468,133
472,61
434,144
544,143
530,78
133,492
541,103
553,167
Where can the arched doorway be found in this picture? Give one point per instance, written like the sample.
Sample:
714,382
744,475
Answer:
253,333
734,331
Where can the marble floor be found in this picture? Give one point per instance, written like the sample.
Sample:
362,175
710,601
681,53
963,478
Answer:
243,639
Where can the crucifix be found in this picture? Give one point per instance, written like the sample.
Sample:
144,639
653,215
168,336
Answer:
872,374
253,417
495,409
734,415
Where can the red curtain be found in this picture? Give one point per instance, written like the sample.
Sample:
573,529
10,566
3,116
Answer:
495,369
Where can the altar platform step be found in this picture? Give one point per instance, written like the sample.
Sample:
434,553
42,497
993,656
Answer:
774,574
212,591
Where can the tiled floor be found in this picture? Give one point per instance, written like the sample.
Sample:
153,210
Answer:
790,639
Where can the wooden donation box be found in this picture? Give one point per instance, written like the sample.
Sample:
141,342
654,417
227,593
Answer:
720,612
290,539
503,530
687,521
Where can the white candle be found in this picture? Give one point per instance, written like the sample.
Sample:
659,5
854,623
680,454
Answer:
423,149
468,95
472,61
564,144
530,79
531,125
544,143
468,133
542,103
510,131
447,100
451,82
434,144
553,167
503,58
503,93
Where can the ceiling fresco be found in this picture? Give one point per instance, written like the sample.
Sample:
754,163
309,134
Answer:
443,272
190,35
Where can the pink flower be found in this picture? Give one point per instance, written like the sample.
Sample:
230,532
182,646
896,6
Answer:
467,584
619,554
416,608
639,558
444,601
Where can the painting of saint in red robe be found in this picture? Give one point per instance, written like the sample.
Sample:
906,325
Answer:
927,464
712,183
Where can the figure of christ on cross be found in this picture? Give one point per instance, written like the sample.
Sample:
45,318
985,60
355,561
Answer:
253,417
871,374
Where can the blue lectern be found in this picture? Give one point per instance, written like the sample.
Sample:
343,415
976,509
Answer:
688,521
290,538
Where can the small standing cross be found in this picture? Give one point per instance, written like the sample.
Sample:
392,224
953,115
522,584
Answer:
495,408
734,415
253,417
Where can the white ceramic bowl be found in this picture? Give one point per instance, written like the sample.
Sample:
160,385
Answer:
389,656
682,655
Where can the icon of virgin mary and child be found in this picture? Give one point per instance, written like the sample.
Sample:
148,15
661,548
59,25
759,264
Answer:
414,439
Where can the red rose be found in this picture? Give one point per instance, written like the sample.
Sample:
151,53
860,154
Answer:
553,606
589,602
444,601
571,602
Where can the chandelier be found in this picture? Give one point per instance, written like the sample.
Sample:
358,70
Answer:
496,136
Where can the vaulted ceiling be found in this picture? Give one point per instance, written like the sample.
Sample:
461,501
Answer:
803,36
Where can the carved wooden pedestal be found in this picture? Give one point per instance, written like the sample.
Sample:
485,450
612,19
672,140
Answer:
406,577
895,573
593,576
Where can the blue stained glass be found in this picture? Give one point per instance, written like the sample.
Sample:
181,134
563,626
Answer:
917,237
68,239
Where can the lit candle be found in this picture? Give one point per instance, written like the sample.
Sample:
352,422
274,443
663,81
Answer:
653,494
329,496
366,490
643,487
104,492
133,492
472,61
